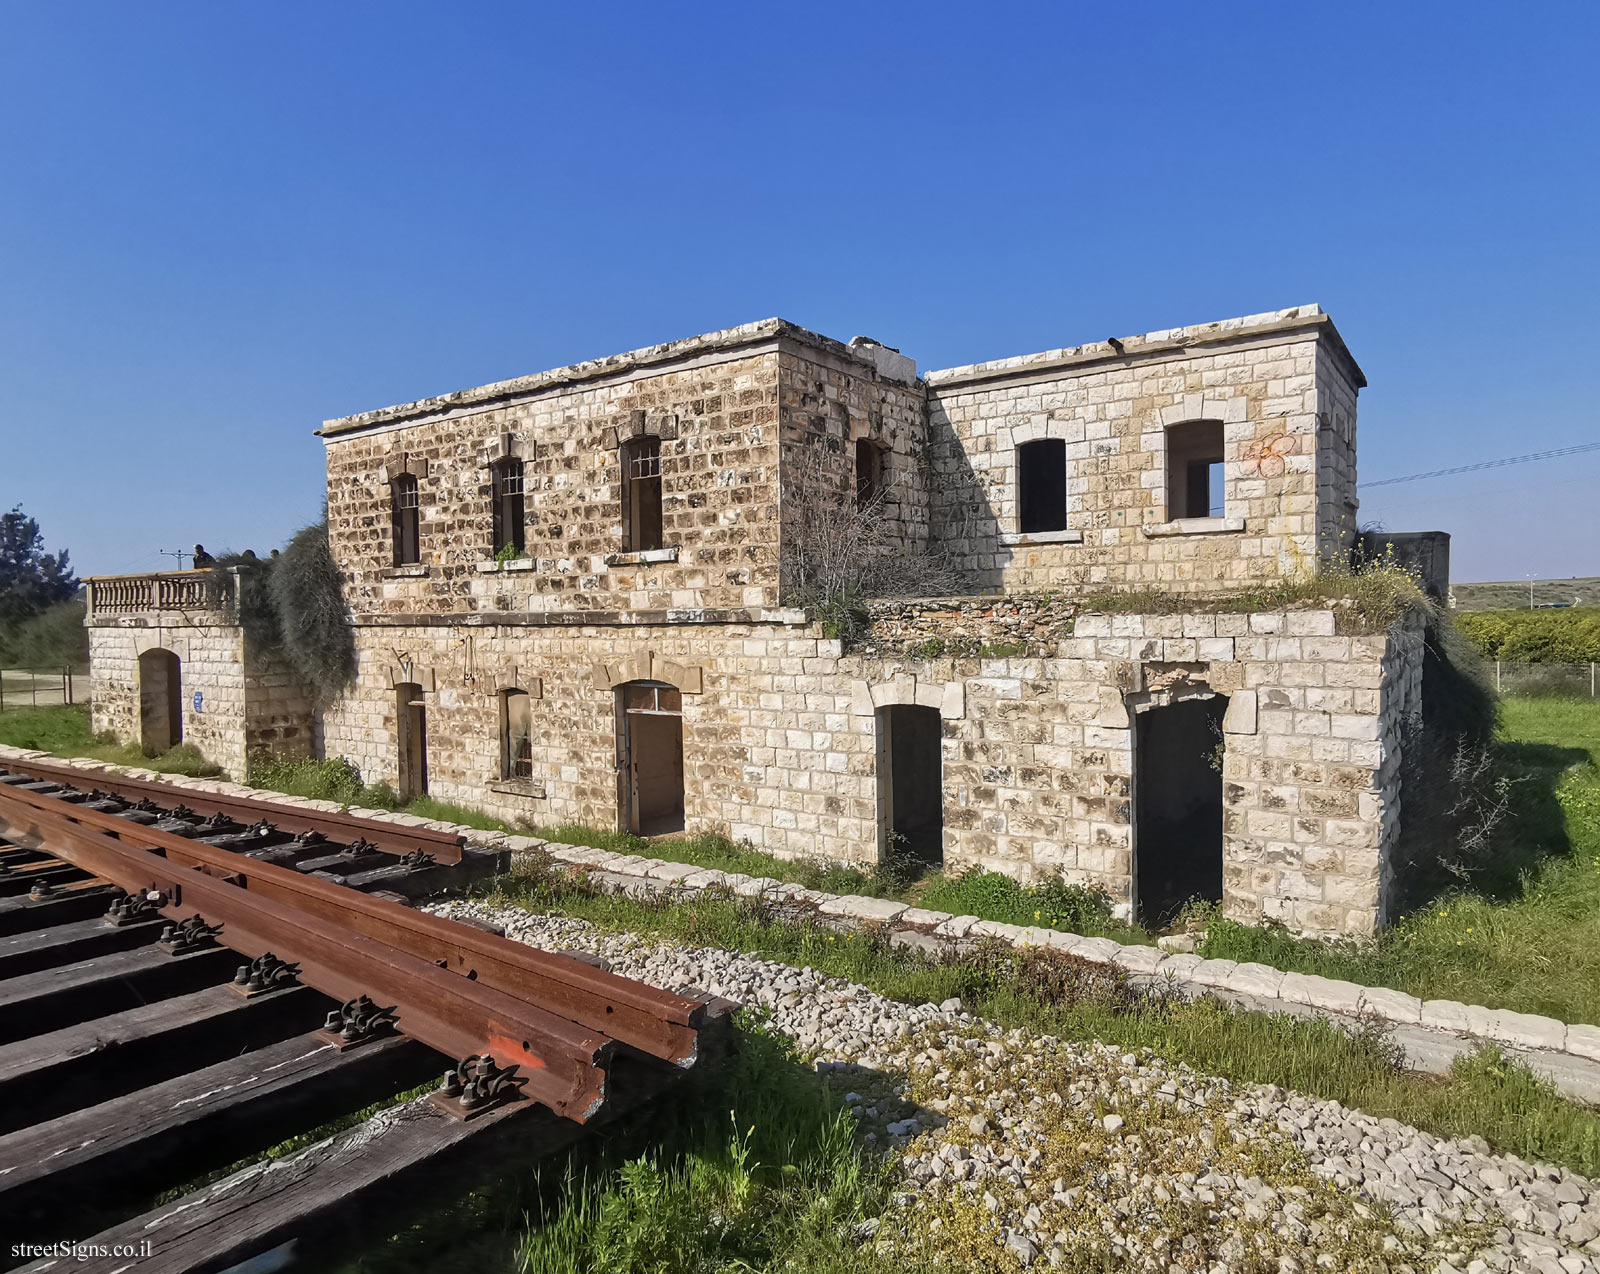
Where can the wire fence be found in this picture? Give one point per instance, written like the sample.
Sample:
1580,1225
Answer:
42,687
1513,678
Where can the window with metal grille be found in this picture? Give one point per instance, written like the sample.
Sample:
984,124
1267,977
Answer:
516,734
506,485
641,494
655,697
405,516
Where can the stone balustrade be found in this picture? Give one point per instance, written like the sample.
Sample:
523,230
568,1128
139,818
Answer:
114,595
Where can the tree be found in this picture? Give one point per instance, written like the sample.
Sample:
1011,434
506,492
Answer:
30,578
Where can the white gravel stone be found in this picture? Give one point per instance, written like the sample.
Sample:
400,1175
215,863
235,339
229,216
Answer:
1529,1216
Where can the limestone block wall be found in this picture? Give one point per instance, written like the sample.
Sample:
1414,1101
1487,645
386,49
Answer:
1270,379
831,397
780,741
719,454
248,699
211,663
771,751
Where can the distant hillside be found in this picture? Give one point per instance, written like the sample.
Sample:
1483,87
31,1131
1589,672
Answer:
1584,590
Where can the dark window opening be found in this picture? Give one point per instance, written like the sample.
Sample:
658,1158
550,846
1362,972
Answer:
641,494
910,784
508,506
869,473
1195,470
1177,828
406,517
1042,486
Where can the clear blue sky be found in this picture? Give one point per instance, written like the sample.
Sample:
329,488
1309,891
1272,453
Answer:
221,224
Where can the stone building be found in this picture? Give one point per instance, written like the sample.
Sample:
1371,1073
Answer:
170,662
569,600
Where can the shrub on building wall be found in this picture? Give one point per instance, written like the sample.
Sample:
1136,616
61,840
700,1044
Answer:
843,549
292,606
307,595
1454,793
1570,635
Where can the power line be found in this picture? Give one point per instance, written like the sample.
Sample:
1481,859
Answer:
1486,464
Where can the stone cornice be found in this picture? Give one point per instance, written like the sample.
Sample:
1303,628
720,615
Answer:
1132,350
710,348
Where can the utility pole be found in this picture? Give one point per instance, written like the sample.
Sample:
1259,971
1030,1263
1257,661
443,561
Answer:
180,554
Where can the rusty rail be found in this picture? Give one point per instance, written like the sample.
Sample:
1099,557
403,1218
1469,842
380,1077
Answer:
564,1063
654,1022
444,846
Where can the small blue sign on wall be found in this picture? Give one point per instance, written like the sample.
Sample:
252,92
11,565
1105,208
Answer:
198,700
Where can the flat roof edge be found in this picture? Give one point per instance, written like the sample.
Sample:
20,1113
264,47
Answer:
1150,344
732,338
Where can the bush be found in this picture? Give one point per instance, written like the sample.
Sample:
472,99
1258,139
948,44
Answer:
307,594
335,779
1569,636
1369,596
1454,794
54,638
1051,904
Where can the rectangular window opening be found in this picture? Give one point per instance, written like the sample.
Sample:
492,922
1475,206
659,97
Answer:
641,495
1042,486
509,522
406,517
1195,473
869,473
516,749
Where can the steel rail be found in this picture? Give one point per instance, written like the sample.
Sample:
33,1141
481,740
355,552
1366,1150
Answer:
563,1062
653,1021
444,846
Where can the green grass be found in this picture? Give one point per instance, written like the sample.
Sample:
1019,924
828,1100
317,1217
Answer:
64,731
1369,597
752,1166
1048,993
1525,936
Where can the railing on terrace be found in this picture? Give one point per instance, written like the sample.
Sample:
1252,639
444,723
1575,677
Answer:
163,590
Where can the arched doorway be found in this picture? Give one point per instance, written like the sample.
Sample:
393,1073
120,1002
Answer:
411,737
160,701
1177,810
650,757
911,783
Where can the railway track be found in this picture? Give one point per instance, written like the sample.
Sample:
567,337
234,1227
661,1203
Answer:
189,979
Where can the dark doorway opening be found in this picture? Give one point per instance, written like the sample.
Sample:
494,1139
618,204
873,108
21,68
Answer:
1042,486
1177,830
910,784
160,701
411,719
651,738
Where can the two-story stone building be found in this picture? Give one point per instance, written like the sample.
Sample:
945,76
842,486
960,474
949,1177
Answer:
569,601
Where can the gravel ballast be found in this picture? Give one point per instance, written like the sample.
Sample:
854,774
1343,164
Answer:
1017,1150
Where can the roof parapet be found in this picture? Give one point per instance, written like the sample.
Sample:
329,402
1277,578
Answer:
1149,344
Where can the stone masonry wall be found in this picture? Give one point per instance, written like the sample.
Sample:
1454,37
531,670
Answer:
1268,378
829,401
719,454
211,662
239,711
780,737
